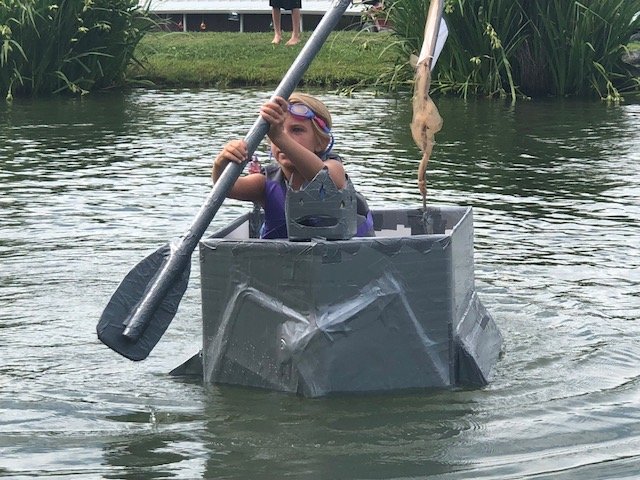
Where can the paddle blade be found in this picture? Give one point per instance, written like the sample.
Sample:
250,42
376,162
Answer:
126,298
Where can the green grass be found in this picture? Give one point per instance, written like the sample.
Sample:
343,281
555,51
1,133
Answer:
347,59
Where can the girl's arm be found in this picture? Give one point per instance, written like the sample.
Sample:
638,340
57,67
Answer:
307,163
249,188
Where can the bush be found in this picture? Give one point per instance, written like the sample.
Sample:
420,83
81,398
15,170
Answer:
526,48
71,46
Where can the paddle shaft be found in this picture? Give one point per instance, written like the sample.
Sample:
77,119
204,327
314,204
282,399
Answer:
181,252
431,29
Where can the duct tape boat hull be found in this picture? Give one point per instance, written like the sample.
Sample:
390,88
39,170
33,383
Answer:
392,312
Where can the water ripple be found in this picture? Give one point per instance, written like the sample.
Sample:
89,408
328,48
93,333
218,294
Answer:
90,186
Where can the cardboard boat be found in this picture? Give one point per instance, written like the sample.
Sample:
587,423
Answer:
392,312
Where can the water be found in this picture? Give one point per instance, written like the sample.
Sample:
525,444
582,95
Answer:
88,187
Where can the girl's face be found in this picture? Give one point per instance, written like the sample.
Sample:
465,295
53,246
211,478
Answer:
301,130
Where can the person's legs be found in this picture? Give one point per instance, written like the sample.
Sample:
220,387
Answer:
295,30
277,29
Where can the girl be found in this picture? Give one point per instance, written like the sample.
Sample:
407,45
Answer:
301,143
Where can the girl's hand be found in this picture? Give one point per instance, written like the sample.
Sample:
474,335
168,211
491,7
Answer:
274,112
235,151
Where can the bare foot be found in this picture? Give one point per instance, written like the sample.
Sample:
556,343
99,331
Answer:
293,41
276,39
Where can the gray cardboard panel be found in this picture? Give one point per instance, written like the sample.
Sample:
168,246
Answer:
365,314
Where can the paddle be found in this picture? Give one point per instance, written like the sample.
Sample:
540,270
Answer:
435,34
426,120
147,299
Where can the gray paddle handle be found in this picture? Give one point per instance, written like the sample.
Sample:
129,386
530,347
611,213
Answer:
431,28
181,251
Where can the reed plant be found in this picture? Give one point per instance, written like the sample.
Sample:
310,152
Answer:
512,48
67,46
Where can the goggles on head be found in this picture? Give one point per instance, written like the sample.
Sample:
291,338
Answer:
300,110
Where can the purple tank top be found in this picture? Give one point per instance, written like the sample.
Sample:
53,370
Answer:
275,192
275,225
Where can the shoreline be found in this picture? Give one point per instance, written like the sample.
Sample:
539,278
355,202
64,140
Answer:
348,59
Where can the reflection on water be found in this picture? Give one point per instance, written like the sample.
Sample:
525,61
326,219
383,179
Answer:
90,186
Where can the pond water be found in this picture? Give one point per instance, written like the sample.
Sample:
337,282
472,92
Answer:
88,187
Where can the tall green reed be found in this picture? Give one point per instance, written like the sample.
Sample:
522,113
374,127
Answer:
67,46
511,48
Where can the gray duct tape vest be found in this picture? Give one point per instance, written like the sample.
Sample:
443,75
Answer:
321,210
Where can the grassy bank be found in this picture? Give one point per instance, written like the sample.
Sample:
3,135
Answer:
347,60
236,59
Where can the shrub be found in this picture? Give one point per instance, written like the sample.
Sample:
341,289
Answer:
526,48
71,45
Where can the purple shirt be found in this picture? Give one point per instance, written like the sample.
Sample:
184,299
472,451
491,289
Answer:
275,193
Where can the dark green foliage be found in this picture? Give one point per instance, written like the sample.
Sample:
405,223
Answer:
71,45
525,47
